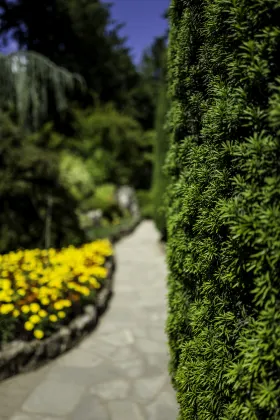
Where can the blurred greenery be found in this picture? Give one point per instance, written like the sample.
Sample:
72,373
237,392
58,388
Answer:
71,148
114,146
145,200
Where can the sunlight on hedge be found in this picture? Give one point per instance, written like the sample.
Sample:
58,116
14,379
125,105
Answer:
42,289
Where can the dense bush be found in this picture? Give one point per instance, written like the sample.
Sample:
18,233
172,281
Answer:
223,219
160,150
114,147
145,201
29,173
104,198
75,176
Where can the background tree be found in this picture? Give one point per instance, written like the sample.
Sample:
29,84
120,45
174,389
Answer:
27,80
29,176
78,35
144,95
104,135
29,164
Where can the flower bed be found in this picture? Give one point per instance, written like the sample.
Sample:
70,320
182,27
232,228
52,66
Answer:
20,350
43,290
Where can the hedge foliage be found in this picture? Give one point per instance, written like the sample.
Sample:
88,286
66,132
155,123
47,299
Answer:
224,214
160,150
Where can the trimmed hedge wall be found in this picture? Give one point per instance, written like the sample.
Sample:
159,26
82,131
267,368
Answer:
224,208
161,146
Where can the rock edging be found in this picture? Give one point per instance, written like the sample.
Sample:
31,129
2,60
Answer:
22,356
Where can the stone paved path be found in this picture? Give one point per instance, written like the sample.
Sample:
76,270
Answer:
119,372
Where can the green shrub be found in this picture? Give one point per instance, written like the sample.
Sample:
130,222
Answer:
145,203
105,200
159,176
75,176
223,215
105,196
114,146
29,175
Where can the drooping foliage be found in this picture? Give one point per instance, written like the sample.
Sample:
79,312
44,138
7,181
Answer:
26,81
223,216
78,35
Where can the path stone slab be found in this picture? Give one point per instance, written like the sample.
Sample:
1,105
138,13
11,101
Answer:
128,360
96,346
113,390
146,389
123,354
90,408
158,363
151,346
124,410
24,416
132,368
54,398
104,372
158,334
163,408
119,338
79,358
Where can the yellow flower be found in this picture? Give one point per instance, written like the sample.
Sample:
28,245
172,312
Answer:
25,309
43,313
45,301
67,303
94,283
28,326
53,318
58,305
83,279
35,308
16,313
21,292
85,291
5,273
5,284
61,314
7,299
39,334
35,319
6,308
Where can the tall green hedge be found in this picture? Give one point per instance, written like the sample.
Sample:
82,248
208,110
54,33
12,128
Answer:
224,208
160,150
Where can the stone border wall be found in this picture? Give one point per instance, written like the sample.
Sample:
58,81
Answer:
22,356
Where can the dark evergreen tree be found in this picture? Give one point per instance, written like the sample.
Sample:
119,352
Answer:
29,176
223,216
144,95
78,35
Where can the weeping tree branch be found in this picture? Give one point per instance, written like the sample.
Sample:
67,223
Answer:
26,79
